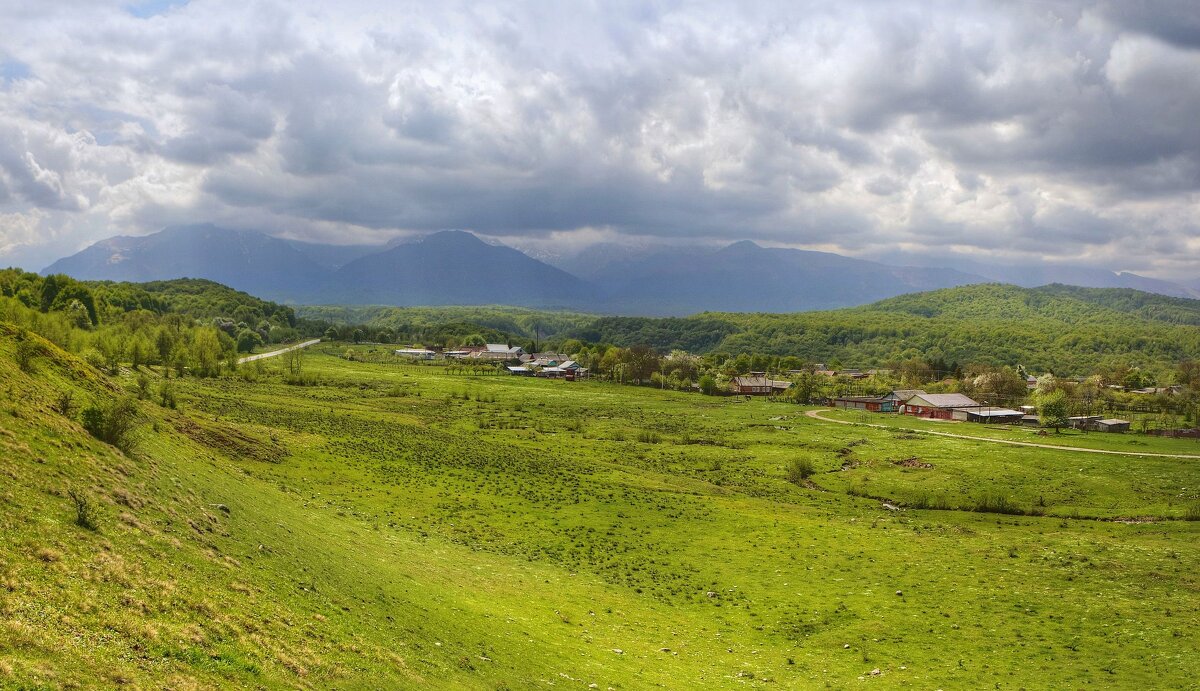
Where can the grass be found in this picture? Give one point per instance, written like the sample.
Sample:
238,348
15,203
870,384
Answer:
403,527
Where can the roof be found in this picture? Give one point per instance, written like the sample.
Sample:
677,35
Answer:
946,400
862,399
905,394
1112,421
518,368
751,381
995,412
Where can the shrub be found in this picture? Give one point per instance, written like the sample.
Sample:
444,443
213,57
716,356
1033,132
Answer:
166,395
64,403
142,386
94,358
997,503
112,423
1192,512
26,351
85,513
800,470
648,437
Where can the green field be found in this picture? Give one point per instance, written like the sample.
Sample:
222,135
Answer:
400,526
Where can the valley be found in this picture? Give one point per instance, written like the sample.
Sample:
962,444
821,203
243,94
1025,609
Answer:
395,525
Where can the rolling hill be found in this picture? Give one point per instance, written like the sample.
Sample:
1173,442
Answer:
1065,329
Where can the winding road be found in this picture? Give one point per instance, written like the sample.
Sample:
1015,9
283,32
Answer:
281,351
816,415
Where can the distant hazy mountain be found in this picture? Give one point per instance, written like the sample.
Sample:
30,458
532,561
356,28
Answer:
744,277
1032,275
246,260
334,256
457,268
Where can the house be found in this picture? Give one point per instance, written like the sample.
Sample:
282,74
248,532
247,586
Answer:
899,396
573,370
499,351
1112,425
757,385
519,371
780,385
1031,420
1030,382
416,353
988,414
938,406
874,404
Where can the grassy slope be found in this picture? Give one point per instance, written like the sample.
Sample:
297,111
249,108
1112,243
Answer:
382,513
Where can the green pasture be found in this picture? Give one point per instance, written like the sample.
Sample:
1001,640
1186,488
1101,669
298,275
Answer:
393,526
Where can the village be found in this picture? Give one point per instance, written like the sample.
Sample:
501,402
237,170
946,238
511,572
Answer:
842,388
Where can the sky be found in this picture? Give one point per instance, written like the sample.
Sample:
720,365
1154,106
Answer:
984,131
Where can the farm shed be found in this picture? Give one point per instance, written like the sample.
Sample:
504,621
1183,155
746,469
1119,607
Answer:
416,353
1112,425
939,406
874,404
989,414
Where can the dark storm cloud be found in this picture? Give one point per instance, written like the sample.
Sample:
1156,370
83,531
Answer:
1029,129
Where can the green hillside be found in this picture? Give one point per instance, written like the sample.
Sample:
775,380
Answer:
1054,328
400,527
1064,329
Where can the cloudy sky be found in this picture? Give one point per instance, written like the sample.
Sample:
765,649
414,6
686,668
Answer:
993,131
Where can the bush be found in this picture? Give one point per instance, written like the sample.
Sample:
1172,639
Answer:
85,513
64,403
112,423
94,358
26,351
800,470
648,437
142,386
997,503
166,395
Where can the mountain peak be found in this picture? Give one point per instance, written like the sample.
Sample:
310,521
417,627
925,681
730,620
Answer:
743,246
452,238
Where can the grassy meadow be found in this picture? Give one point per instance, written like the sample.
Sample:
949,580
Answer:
393,526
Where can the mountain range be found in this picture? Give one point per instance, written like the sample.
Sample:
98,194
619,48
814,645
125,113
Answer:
458,268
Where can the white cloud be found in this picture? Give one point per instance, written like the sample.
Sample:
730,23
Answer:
1058,130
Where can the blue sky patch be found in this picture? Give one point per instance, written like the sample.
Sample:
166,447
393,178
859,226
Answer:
151,8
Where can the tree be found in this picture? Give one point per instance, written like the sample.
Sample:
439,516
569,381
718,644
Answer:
294,361
331,334
358,335
1052,409
248,340
708,385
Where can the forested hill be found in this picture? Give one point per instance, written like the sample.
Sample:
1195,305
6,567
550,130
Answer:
1060,328
193,297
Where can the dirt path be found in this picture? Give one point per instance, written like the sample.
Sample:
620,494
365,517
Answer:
281,351
816,415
